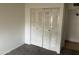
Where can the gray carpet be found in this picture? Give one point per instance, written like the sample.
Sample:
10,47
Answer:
31,50
35,50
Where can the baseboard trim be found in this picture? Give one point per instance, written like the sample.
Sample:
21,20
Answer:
11,49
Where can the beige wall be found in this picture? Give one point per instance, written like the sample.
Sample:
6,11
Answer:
72,23
12,18
65,25
73,34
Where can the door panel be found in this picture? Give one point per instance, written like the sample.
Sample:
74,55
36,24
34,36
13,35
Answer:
53,33
50,28
36,27
46,36
54,29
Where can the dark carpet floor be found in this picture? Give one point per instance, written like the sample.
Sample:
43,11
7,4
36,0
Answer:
35,50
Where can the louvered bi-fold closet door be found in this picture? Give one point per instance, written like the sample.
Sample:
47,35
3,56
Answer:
36,26
50,33
44,27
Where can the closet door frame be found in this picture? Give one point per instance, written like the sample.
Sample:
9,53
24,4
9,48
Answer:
60,6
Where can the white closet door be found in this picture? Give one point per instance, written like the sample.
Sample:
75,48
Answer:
54,29
50,29
36,27
44,27
53,33
46,22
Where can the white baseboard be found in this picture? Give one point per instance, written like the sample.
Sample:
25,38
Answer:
11,49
